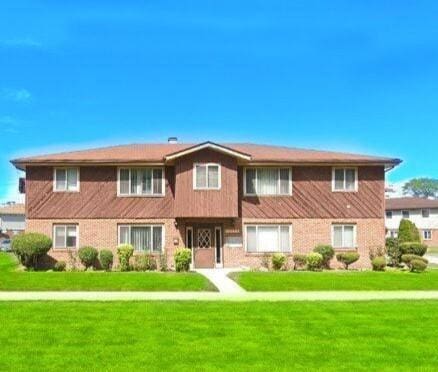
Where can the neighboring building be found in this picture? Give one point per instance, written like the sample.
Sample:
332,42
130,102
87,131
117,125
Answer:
229,203
12,220
422,212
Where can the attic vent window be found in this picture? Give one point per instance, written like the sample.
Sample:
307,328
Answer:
172,140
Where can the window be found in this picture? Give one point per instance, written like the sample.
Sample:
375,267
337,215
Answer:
141,182
207,177
405,214
344,236
66,179
427,234
268,238
144,238
388,214
393,233
425,213
268,181
65,236
344,179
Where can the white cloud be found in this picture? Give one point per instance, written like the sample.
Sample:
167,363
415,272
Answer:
16,95
397,187
11,192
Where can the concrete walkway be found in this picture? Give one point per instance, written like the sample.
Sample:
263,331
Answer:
432,258
219,277
215,296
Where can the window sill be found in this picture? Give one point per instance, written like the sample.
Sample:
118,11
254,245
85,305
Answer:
261,254
67,191
141,196
265,195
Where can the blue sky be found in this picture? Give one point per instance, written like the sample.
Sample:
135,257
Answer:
356,76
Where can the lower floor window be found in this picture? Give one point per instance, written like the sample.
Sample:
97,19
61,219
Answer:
427,234
268,238
144,238
344,236
65,236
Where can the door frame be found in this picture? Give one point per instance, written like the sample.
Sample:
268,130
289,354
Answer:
221,248
194,227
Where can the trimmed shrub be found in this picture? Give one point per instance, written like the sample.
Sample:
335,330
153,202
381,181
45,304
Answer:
300,261
418,266
265,261
378,263
144,262
408,232
125,252
59,266
409,258
347,258
393,251
314,261
163,262
88,256
377,252
29,247
278,261
416,248
327,252
106,259
183,257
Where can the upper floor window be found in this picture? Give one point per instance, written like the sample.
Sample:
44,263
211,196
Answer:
207,176
141,182
425,213
405,214
268,181
344,179
344,236
65,236
66,179
388,214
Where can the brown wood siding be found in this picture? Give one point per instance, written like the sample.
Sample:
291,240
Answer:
312,196
206,203
97,197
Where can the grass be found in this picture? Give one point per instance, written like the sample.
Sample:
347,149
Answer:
13,280
254,336
336,281
432,250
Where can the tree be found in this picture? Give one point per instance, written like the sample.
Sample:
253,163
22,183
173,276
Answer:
408,232
421,187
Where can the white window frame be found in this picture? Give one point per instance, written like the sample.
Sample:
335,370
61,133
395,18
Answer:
75,189
290,189
55,225
408,213
129,226
279,238
195,187
130,195
428,212
344,189
429,231
343,225
389,215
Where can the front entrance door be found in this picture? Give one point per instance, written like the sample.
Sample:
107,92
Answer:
204,247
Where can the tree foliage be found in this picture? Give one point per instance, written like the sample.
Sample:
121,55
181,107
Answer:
421,187
408,232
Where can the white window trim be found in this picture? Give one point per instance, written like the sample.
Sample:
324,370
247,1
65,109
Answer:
65,231
343,227
408,212
279,238
290,190
207,187
163,183
424,234
163,235
76,189
344,189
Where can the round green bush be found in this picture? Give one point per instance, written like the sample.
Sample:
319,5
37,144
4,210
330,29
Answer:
278,261
347,258
327,252
144,262
379,263
314,261
300,260
418,266
408,232
416,248
88,256
106,259
183,257
125,252
29,247
59,266
409,258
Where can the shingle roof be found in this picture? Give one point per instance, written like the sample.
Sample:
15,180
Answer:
12,209
153,152
410,203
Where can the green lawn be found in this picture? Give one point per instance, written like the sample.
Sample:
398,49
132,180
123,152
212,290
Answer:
12,280
219,336
336,281
432,250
